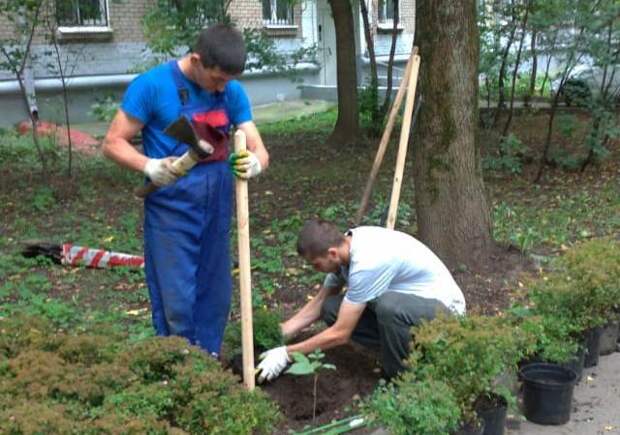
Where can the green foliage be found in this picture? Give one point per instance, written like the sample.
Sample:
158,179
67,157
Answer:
468,354
308,365
104,108
171,29
559,218
318,124
368,101
266,328
509,156
100,384
553,337
410,405
170,26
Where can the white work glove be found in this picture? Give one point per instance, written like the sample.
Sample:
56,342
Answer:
160,171
245,164
272,364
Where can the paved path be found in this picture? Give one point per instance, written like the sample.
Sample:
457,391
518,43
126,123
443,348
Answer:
596,404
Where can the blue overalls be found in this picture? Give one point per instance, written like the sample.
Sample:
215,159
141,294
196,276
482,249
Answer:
186,241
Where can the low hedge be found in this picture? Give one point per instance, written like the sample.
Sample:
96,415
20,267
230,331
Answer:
62,383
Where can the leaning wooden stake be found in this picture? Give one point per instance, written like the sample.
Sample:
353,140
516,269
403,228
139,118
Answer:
245,279
385,138
404,140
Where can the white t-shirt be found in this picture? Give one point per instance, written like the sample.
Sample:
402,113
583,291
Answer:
383,260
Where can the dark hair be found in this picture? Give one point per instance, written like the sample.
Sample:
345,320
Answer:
316,237
221,45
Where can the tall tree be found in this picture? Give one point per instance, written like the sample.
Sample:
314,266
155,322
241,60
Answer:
347,128
452,212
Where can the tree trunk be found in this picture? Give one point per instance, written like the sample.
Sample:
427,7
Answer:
347,128
501,97
516,71
375,116
452,212
390,67
534,71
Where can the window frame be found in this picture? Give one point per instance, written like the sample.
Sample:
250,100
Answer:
79,29
274,22
385,24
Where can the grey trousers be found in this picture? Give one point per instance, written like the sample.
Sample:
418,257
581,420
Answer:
385,324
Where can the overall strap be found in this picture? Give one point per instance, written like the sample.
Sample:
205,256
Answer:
177,76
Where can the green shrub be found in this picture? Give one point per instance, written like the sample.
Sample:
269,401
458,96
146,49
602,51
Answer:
94,384
20,331
553,337
584,288
469,354
27,417
213,401
154,359
508,156
87,349
266,328
414,406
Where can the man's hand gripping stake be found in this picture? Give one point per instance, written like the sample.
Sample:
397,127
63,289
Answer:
199,149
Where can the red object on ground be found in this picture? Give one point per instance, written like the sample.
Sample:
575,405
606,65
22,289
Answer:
97,258
80,141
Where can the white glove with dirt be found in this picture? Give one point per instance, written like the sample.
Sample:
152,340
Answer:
245,164
160,171
272,364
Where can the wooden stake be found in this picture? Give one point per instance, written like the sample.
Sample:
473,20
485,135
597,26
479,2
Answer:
385,138
245,278
404,140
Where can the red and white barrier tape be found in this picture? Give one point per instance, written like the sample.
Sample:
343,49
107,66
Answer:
97,258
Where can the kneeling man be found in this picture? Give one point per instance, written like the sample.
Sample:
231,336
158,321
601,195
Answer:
393,282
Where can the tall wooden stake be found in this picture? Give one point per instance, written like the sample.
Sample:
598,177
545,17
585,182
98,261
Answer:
385,138
404,140
245,278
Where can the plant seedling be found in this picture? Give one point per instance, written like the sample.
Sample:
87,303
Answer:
310,365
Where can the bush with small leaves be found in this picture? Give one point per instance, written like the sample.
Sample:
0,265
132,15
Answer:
413,406
266,329
469,354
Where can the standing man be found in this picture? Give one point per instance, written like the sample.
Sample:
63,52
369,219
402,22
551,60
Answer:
393,283
187,221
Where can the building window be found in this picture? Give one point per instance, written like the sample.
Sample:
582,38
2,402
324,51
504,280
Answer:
386,11
278,13
82,13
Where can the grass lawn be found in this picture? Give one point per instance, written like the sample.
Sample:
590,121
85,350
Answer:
95,207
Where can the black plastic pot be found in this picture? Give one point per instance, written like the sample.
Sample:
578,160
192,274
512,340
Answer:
609,338
592,339
493,412
547,393
471,428
575,363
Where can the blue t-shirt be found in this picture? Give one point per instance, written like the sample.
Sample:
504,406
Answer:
153,99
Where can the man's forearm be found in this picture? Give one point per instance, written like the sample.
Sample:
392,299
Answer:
304,318
309,314
124,154
323,340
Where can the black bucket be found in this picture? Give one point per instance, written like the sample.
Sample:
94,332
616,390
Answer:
547,393
592,339
494,416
